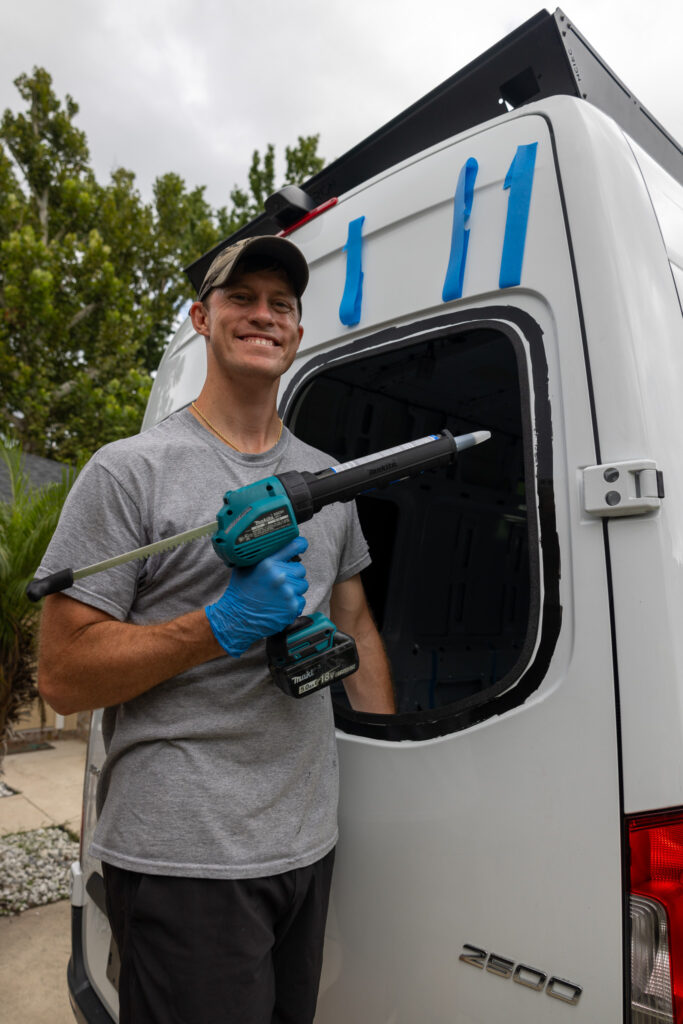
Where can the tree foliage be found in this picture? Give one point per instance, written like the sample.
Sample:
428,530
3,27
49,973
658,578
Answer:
26,524
91,276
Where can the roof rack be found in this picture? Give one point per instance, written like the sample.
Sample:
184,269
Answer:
546,56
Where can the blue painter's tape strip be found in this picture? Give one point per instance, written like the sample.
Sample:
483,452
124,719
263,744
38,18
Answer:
460,235
352,299
519,180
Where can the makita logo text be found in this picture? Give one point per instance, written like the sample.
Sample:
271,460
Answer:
382,468
304,677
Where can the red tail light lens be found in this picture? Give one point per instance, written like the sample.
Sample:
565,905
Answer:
656,846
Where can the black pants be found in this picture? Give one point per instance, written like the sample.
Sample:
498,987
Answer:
204,951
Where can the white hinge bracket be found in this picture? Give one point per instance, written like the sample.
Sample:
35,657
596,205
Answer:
622,488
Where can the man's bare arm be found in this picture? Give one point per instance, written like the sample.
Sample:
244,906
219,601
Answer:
88,659
370,688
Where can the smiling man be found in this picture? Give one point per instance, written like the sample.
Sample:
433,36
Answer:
217,800
248,309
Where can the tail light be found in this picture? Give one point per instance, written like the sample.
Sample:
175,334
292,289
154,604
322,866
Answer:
656,901
309,216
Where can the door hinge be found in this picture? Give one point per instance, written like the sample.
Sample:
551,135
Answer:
622,488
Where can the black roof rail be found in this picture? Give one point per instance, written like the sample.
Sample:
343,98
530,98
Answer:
546,56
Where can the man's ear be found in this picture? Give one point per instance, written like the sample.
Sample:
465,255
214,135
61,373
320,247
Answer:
200,318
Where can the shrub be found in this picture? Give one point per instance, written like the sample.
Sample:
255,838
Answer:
27,523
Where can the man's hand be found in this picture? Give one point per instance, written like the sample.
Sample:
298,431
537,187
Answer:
261,600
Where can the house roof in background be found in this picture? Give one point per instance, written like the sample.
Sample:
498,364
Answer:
40,472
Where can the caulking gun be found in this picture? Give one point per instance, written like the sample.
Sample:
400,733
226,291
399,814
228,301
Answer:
260,518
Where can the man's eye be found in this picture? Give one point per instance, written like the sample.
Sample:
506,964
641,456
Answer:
282,306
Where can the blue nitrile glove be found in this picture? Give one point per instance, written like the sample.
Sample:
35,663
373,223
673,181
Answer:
261,600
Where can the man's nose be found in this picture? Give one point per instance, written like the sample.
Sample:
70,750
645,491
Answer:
260,310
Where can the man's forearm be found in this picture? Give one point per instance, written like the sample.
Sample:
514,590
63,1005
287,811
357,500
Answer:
89,664
370,689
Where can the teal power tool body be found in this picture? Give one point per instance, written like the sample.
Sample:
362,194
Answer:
260,518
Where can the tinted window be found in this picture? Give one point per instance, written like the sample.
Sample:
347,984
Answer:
452,580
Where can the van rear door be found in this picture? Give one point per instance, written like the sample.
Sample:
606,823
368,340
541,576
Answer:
479,872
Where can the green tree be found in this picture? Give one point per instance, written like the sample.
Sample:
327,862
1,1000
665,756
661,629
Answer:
70,320
27,522
91,276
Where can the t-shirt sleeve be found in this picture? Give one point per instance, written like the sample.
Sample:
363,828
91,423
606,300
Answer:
99,519
355,554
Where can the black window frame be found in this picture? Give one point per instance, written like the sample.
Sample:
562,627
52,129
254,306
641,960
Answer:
545,612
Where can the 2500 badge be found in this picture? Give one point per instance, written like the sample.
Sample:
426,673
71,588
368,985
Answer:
522,974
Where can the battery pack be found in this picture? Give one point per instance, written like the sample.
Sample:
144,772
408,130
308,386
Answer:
307,675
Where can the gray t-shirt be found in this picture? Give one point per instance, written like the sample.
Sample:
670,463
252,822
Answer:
215,772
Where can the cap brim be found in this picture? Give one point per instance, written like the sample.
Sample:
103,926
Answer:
271,247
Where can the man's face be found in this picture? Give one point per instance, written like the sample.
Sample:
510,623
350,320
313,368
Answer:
252,325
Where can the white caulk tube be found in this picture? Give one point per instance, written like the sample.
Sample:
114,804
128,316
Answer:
309,492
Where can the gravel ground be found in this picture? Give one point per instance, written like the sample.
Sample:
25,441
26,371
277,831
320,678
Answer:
34,868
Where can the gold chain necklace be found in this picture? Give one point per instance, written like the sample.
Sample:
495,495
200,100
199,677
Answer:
222,436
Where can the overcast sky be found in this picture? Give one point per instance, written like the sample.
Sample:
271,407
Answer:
195,87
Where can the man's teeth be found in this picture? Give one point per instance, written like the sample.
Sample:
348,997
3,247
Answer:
260,341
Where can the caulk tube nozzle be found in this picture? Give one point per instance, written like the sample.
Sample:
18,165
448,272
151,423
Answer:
463,441
61,580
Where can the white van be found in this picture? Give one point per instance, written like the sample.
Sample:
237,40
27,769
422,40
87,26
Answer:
511,843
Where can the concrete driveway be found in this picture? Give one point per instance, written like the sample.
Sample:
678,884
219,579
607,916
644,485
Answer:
35,948
35,945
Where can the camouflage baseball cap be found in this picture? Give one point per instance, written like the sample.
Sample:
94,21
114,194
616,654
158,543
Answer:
279,250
